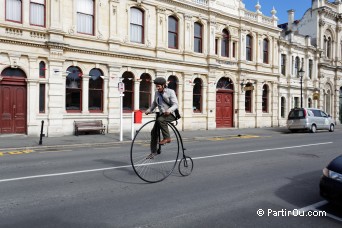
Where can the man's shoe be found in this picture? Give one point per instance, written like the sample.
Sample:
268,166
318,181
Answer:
164,141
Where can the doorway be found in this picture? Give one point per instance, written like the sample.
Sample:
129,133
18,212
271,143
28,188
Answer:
224,103
13,102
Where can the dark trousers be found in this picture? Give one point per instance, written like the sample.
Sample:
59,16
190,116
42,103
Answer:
161,124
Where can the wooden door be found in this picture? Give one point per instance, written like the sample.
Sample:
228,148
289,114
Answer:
12,109
224,109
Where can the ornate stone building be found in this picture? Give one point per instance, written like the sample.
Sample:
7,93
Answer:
62,60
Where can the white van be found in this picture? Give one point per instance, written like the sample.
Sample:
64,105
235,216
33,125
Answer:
311,119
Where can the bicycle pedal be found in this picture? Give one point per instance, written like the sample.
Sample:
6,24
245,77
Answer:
184,148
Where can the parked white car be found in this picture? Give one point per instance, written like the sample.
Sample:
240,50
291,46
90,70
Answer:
311,119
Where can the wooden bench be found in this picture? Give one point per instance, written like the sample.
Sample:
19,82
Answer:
90,125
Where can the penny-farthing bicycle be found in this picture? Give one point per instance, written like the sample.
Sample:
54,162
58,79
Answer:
158,167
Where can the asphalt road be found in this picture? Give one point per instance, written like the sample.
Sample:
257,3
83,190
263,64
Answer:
232,179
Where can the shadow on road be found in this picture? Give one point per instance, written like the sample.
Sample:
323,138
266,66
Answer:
302,189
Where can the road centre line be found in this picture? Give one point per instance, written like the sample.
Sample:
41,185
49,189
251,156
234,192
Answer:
126,166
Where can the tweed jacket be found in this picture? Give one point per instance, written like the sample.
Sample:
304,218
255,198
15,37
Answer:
169,96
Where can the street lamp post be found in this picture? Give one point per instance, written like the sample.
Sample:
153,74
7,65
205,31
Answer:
300,75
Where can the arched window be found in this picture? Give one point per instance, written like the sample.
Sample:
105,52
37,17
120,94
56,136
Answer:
249,44
42,69
310,68
225,43
225,83
265,51
328,102
85,16
310,103
282,107
198,33
95,91
173,32
145,91
265,98
13,72
73,90
197,96
297,63
325,40
248,98
283,64
329,48
173,83
137,25
128,99
14,10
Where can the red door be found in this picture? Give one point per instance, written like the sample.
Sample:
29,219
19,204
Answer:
12,109
224,109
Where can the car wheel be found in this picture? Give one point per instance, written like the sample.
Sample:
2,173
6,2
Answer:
313,128
332,128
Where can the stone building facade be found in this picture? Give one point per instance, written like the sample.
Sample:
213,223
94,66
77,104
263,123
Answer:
62,60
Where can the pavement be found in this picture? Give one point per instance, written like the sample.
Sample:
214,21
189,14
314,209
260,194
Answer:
19,141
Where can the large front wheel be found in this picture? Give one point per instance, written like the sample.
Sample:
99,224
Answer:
150,161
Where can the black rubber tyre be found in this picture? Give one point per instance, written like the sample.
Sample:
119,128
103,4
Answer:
331,128
159,166
313,128
185,166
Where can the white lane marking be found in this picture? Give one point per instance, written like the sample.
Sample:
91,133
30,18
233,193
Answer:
126,166
313,207
256,151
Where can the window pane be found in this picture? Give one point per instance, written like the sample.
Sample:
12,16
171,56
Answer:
172,24
136,16
42,69
95,100
73,99
172,40
198,30
42,98
84,23
85,6
136,33
13,10
198,45
37,14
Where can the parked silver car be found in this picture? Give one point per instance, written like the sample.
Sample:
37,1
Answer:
311,119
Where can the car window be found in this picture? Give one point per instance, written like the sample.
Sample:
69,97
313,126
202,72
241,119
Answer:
324,114
296,114
317,113
310,113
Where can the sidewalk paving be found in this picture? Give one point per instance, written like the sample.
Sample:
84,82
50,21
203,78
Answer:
14,141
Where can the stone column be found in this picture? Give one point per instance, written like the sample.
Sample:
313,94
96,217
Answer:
32,96
187,34
85,94
56,98
187,102
114,99
258,103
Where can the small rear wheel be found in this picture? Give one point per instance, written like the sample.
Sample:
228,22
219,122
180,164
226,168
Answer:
185,166
313,128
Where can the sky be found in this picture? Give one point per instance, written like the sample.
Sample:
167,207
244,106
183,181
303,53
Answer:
281,6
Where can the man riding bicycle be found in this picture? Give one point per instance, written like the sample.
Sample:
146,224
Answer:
166,101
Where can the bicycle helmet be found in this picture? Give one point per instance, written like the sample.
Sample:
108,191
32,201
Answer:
159,81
